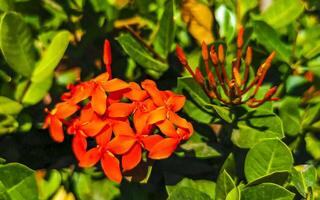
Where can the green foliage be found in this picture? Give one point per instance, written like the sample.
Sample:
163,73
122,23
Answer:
235,152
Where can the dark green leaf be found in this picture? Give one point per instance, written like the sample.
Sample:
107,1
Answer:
166,32
51,57
8,124
278,177
270,39
137,52
313,145
266,191
200,149
266,157
16,43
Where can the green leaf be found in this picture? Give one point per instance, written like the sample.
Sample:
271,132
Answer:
51,57
50,185
200,149
6,5
255,126
137,52
19,181
312,145
245,6
282,12
270,39
290,115
197,113
266,191
205,186
304,177
166,32
278,177
183,193
223,112
311,115
9,106
86,187
229,166
224,185
227,22
266,157
36,91
16,43
234,194
8,124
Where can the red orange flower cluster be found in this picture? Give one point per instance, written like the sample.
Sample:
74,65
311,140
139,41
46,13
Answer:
236,86
111,119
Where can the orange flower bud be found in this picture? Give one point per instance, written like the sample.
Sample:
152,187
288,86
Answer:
205,54
240,37
213,55
181,55
221,53
248,59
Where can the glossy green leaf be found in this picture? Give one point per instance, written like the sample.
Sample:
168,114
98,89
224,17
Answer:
51,57
205,186
255,126
183,193
278,177
267,36
16,43
304,178
311,115
266,157
282,12
19,181
197,113
229,166
224,185
266,191
166,32
6,5
227,22
223,112
290,115
137,52
9,106
36,91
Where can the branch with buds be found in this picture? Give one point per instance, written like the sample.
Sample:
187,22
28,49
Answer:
235,87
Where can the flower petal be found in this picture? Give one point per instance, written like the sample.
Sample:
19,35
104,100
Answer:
167,128
164,148
176,102
121,144
150,141
86,113
56,131
79,146
120,109
136,93
177,120
151,87
104,77
65,109
93,127
104,136
122,128
111,167
157,115
140,122
99,100
114,85
90,158
132,158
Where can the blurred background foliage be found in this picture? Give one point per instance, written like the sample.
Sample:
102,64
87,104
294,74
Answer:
49,44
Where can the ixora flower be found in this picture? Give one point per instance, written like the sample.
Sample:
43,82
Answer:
230,90
114,122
